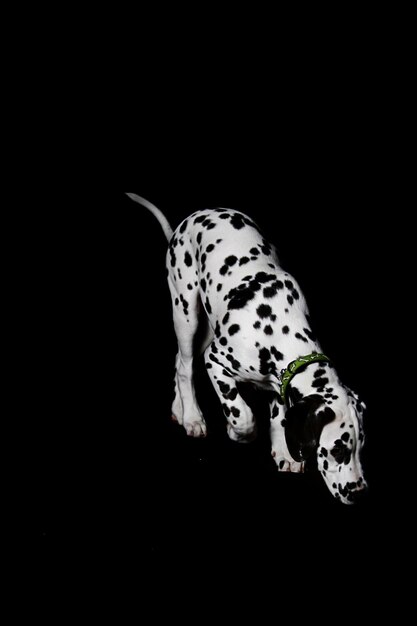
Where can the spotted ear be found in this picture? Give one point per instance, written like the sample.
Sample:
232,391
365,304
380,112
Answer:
303,425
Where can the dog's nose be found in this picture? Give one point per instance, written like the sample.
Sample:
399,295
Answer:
359,496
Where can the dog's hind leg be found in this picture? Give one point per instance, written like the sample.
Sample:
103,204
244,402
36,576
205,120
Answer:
185,409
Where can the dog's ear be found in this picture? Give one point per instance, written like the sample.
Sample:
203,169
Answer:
303,425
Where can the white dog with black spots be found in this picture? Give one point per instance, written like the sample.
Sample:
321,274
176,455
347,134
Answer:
219,264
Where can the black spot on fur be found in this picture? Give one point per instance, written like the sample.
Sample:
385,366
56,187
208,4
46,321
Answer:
326,415
187,259
230,260
263,277
226,410
199,236
289,284
208,307
183,226
234,328
299,336
240,297
172,256
270,292
264,311
277,354
264,354
203,284
257,324
341,452
237,222
290,299
309,334
235,363
209,248
189,286
232,394
199,219
264,357
226,318
254,251
223,341
253,284
268,330
235,411
219,287
224,269
285,330
345,437
243,260
224,387
320,382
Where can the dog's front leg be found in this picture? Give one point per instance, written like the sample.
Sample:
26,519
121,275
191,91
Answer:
241,424
279,448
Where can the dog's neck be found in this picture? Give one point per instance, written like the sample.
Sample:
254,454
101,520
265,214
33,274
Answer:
305,383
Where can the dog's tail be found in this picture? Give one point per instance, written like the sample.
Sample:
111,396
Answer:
165,225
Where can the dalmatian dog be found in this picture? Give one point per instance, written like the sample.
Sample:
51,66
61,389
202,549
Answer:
221,266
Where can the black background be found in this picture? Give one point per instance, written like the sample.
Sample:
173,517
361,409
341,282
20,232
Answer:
112,475
306,131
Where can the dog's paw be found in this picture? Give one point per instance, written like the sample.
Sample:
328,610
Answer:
241,437
284,465
195,429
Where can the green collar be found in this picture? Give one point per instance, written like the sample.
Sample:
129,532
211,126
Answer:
293,367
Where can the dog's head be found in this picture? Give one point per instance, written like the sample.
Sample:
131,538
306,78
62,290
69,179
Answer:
335,436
